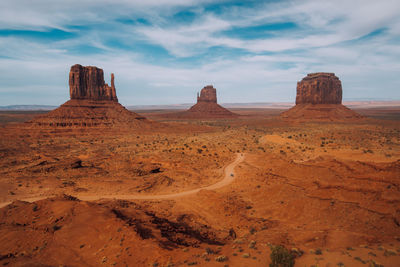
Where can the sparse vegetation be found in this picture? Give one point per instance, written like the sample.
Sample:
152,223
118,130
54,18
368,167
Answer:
252,244
221,258
281,257
246,255
154,164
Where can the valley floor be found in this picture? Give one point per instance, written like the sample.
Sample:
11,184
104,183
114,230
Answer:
329,192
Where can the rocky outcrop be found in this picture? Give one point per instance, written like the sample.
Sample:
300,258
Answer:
319,88
88,83
319,98
207,106
80,113
93,104
320,112
207,94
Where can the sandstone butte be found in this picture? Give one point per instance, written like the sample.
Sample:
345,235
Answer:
93,103
88,83
319,97
207,107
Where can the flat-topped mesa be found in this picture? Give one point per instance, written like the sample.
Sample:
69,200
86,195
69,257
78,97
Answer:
88,83
207,94
319,98
319,88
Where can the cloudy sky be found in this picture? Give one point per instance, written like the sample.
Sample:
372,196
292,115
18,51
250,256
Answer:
164,51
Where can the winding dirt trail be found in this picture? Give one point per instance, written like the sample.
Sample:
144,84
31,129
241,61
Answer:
229,177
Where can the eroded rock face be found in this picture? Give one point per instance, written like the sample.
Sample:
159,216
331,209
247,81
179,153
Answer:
88,83
207,94
207,107
319,88
319,98
93,104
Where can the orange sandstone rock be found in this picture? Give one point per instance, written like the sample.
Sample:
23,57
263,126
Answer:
319,88
319,98
88,83
93,104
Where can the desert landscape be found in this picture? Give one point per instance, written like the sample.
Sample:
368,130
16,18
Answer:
93,184
216,133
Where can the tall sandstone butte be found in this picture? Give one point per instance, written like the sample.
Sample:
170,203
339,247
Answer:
93,103
319,97
88,83
207,94
319,88
207,107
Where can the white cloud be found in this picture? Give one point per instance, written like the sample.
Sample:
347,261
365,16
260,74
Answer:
323,23
186,40
268,71
25,14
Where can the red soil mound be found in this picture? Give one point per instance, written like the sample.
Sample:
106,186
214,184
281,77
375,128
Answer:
88,113
66,230
209,109
321,112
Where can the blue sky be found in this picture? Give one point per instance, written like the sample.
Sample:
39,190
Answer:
164,51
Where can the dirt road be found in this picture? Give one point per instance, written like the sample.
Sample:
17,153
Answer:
229,176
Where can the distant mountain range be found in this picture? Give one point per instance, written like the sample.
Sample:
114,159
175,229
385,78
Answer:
272,105
28,107
276,105
226,105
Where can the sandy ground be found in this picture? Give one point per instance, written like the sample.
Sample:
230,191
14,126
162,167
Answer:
229,176
329,192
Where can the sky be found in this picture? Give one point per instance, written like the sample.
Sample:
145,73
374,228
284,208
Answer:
165,51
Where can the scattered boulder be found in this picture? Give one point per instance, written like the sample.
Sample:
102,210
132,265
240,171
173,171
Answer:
76,164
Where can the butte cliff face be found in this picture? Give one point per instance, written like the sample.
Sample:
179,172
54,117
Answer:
93,104
319,97
88,83
207,106
207,94
319,88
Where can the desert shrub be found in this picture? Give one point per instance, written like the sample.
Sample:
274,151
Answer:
221,258
56,227
252,244
374,264
281,257
360,260
210,251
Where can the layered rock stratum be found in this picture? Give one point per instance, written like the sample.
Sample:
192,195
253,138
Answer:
207,94
88,83
93,103
319,97
319,88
